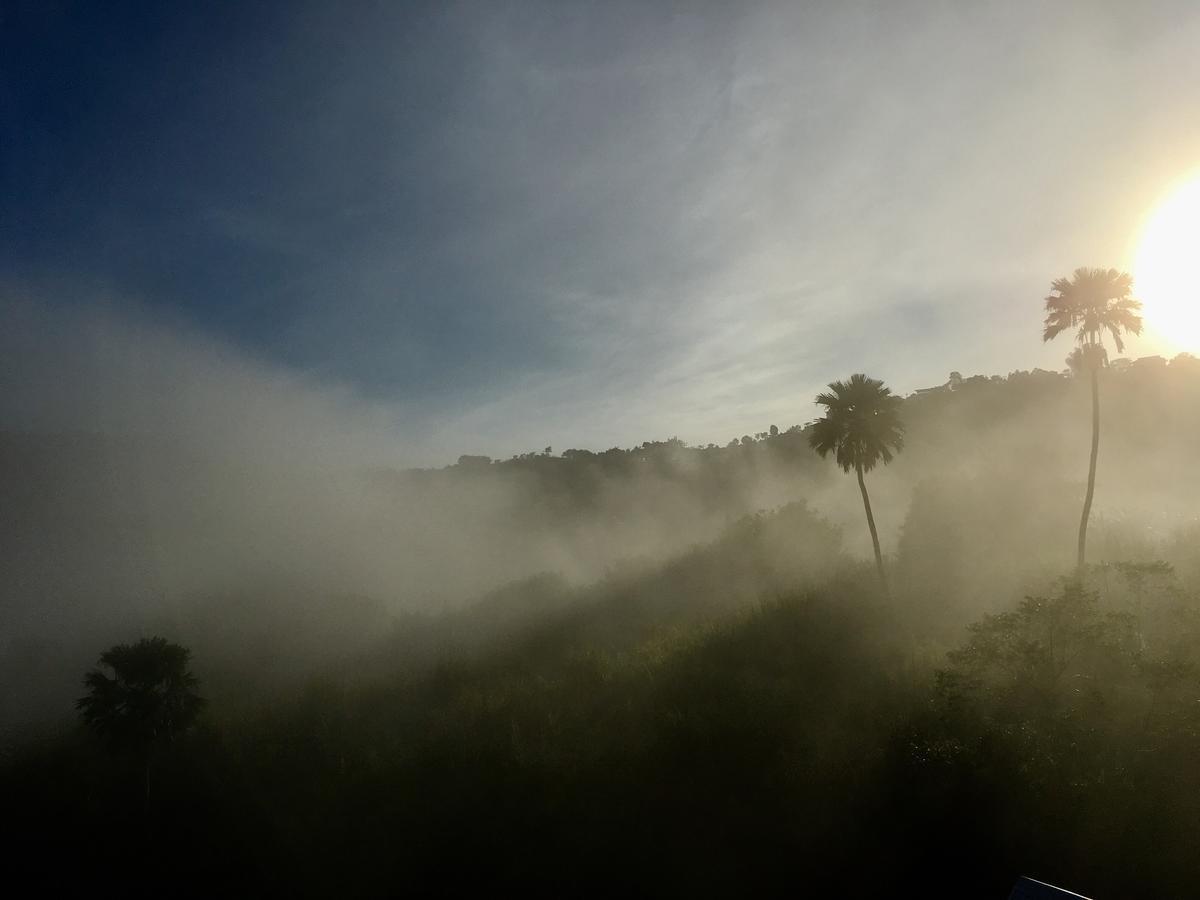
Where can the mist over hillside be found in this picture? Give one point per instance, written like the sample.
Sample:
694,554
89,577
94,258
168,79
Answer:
673,448
111,529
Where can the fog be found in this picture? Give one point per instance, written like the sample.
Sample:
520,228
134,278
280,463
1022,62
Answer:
153,464
572,446
151,475
387,646
154,479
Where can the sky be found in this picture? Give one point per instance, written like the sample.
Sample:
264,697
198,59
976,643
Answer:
494,227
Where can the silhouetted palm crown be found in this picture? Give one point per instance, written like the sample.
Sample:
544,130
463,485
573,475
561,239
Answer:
861,426
1093,301
151,694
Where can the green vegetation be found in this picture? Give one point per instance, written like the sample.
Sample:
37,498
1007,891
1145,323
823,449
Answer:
739,715
795,738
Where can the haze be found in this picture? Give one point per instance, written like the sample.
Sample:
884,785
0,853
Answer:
441,377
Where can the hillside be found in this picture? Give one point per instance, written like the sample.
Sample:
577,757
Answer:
699,697
299,563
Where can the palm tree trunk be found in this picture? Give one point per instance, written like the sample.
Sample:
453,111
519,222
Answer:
862,486
1091,484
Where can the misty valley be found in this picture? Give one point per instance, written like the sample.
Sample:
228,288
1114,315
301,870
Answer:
670,667
625,448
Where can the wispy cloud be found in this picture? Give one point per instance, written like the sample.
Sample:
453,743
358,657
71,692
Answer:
584,225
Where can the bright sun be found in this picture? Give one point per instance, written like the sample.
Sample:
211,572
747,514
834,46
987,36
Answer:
1166,273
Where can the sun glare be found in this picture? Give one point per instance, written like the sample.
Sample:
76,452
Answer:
1167,269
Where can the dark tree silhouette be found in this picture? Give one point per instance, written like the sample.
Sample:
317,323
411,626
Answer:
150,697
1092,301
861,427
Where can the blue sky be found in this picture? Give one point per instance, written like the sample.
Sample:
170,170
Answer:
505,225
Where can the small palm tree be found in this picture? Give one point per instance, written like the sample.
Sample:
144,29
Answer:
150,697
861,428
1092,301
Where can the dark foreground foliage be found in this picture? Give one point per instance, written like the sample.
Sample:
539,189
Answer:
791,747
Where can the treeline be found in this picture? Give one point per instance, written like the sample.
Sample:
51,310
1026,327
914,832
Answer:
947,425
987,394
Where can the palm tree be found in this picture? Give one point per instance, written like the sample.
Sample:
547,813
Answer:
861,428
150,698
1092,301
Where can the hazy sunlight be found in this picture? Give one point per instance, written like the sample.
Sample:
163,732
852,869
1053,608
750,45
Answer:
1166,277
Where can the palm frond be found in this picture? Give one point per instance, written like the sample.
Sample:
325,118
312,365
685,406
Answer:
150,694
861,426
1093,302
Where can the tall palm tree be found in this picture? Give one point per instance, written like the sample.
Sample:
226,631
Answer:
1092,301
150,698
861,427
